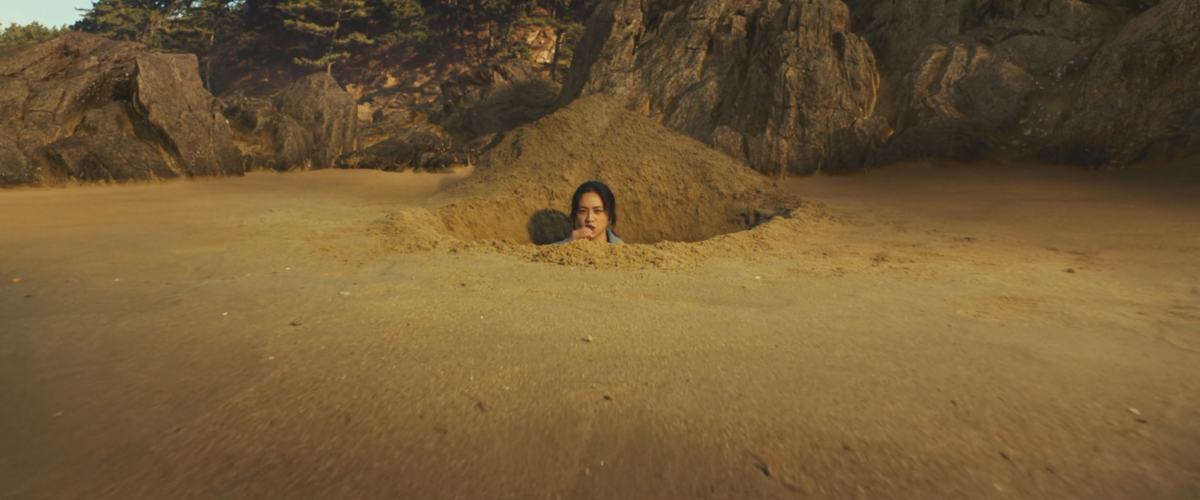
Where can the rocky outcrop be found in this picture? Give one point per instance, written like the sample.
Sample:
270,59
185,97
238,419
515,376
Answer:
268,139
770,82
1140,97
786,86
400,141
1030,77
81,107
326,111
311,124
182,116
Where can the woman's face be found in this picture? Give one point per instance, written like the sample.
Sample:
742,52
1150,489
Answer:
591,214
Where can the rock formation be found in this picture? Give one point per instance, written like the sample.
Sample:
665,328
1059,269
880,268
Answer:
309,125
1033,77
787,87
268,139
86,108
329,114
769,82
1140,97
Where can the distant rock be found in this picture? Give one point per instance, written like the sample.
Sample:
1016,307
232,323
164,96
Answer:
85,108
266,138
403,141
309,125
326,111
769,82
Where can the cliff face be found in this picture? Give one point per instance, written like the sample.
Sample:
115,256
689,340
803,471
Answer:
804,86
769,82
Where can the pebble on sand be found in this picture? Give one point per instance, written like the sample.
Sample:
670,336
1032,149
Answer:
16,280
587,338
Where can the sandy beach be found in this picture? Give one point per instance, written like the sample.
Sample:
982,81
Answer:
919,331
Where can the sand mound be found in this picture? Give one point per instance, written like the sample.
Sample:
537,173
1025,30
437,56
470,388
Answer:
671,191
668,186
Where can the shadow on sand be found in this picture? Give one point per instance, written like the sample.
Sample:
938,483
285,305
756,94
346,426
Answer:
548,226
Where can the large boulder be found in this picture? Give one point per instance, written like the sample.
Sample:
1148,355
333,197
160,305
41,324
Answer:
183,116
1140,96
268,139
769,82
87,108
326,111
406,140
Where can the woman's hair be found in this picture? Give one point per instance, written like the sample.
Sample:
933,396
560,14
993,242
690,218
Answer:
606,197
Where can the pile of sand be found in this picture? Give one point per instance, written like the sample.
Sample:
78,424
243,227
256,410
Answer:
670,189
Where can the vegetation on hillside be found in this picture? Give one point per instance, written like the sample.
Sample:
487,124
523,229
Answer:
16,34
324,33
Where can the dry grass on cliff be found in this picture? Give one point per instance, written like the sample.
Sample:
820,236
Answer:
676,197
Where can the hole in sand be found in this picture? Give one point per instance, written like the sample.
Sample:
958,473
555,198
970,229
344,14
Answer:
668,187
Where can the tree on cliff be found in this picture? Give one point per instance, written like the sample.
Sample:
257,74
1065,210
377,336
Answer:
327,21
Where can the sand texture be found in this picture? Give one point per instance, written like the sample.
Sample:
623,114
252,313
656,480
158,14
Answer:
985,331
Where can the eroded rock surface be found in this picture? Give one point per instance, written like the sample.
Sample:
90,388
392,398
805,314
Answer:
268,139
326,111
1140,97
768,82
183,116
1023,78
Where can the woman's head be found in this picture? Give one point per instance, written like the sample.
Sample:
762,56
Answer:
594,207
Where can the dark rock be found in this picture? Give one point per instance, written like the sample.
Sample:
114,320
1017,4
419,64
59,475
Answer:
104,158
968,86
183,116
327,112
112,118
948,138
769,82
900,32
401,146
1139,97
14,168
46,88
859,145
267,138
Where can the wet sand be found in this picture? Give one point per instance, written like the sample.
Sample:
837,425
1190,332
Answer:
987,331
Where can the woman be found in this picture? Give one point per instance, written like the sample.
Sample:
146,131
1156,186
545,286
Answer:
594,210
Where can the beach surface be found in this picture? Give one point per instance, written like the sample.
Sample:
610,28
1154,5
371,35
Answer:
919,331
